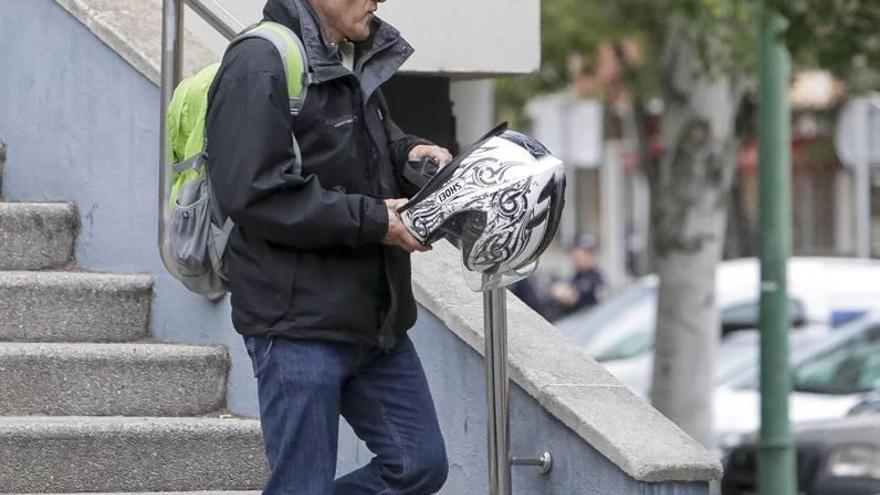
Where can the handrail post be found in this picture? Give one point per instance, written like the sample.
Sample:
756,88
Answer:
497,402
172,73
498,398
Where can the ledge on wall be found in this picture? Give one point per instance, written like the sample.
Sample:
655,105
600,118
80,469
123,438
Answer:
133,29
567,383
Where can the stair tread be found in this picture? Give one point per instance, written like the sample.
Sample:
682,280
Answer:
10,205
227,492
37,236
50,278
72,306
133,379
75,454
98,423
146,349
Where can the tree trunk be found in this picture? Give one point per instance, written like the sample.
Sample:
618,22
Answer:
689,191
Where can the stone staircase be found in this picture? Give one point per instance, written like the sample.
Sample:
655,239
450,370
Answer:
87,402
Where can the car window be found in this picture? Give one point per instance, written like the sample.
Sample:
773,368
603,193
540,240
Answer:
858,333
633,334
848,369
745,315
622,326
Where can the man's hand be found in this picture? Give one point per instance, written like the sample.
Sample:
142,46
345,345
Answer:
442,155
564,294
397,234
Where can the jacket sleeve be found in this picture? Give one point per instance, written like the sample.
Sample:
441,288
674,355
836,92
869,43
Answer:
400,144
251,166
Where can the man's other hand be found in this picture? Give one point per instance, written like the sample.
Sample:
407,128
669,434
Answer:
397,234
439,153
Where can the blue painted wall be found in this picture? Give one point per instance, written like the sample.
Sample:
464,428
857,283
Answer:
456,376
82,126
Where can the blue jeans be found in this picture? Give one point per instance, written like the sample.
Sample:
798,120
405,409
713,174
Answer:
304,386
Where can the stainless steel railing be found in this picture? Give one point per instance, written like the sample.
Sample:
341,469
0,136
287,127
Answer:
172,73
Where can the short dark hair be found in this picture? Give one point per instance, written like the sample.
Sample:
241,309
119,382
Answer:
585,241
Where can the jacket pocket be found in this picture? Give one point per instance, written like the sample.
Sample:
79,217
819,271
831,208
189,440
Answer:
337,290
261,278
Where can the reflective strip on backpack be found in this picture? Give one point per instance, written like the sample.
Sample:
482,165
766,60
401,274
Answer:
194,162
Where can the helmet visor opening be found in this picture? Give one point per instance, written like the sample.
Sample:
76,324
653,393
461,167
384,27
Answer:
463,230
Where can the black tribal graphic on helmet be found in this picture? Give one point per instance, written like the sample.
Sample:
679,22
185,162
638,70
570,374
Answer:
499,203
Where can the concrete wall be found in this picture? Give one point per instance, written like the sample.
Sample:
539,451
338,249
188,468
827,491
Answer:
474,105
489,36
82,126
455,373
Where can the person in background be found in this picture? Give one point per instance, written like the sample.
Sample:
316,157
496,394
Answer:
586,286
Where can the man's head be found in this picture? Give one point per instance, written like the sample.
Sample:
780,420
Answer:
346,19
583,252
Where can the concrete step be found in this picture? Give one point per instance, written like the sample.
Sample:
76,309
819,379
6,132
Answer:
73,307
36,236
111,379
82,454
244,492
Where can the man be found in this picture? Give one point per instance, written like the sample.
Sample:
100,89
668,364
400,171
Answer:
318,262
586,287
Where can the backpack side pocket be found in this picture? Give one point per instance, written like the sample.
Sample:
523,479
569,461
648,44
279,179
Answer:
192,239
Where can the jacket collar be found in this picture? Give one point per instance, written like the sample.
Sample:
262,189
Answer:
377,58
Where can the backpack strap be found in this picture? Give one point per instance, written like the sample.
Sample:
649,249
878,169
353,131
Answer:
296,68
293,55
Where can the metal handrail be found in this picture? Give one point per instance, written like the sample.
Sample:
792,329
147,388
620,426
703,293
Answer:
172,73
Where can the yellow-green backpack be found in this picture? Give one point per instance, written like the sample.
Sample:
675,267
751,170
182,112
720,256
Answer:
197,229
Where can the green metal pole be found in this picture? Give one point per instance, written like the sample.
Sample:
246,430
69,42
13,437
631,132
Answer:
776,462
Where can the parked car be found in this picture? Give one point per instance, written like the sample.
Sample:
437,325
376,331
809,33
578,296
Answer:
737,354
829,380
823,293
834,457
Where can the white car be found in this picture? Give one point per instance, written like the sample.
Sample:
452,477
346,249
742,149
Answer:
829,379
737,354
824,292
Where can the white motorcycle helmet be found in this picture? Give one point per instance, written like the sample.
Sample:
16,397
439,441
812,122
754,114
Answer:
499,202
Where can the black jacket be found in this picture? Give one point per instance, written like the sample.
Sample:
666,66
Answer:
304,260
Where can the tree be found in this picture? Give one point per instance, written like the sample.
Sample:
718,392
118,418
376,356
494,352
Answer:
701,60
690,185
708,65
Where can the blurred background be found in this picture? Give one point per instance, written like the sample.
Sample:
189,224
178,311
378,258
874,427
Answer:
654,107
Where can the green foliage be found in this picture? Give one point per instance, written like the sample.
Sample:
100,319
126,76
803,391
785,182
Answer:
840,35
567,27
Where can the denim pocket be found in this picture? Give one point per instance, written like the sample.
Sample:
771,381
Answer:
258,349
